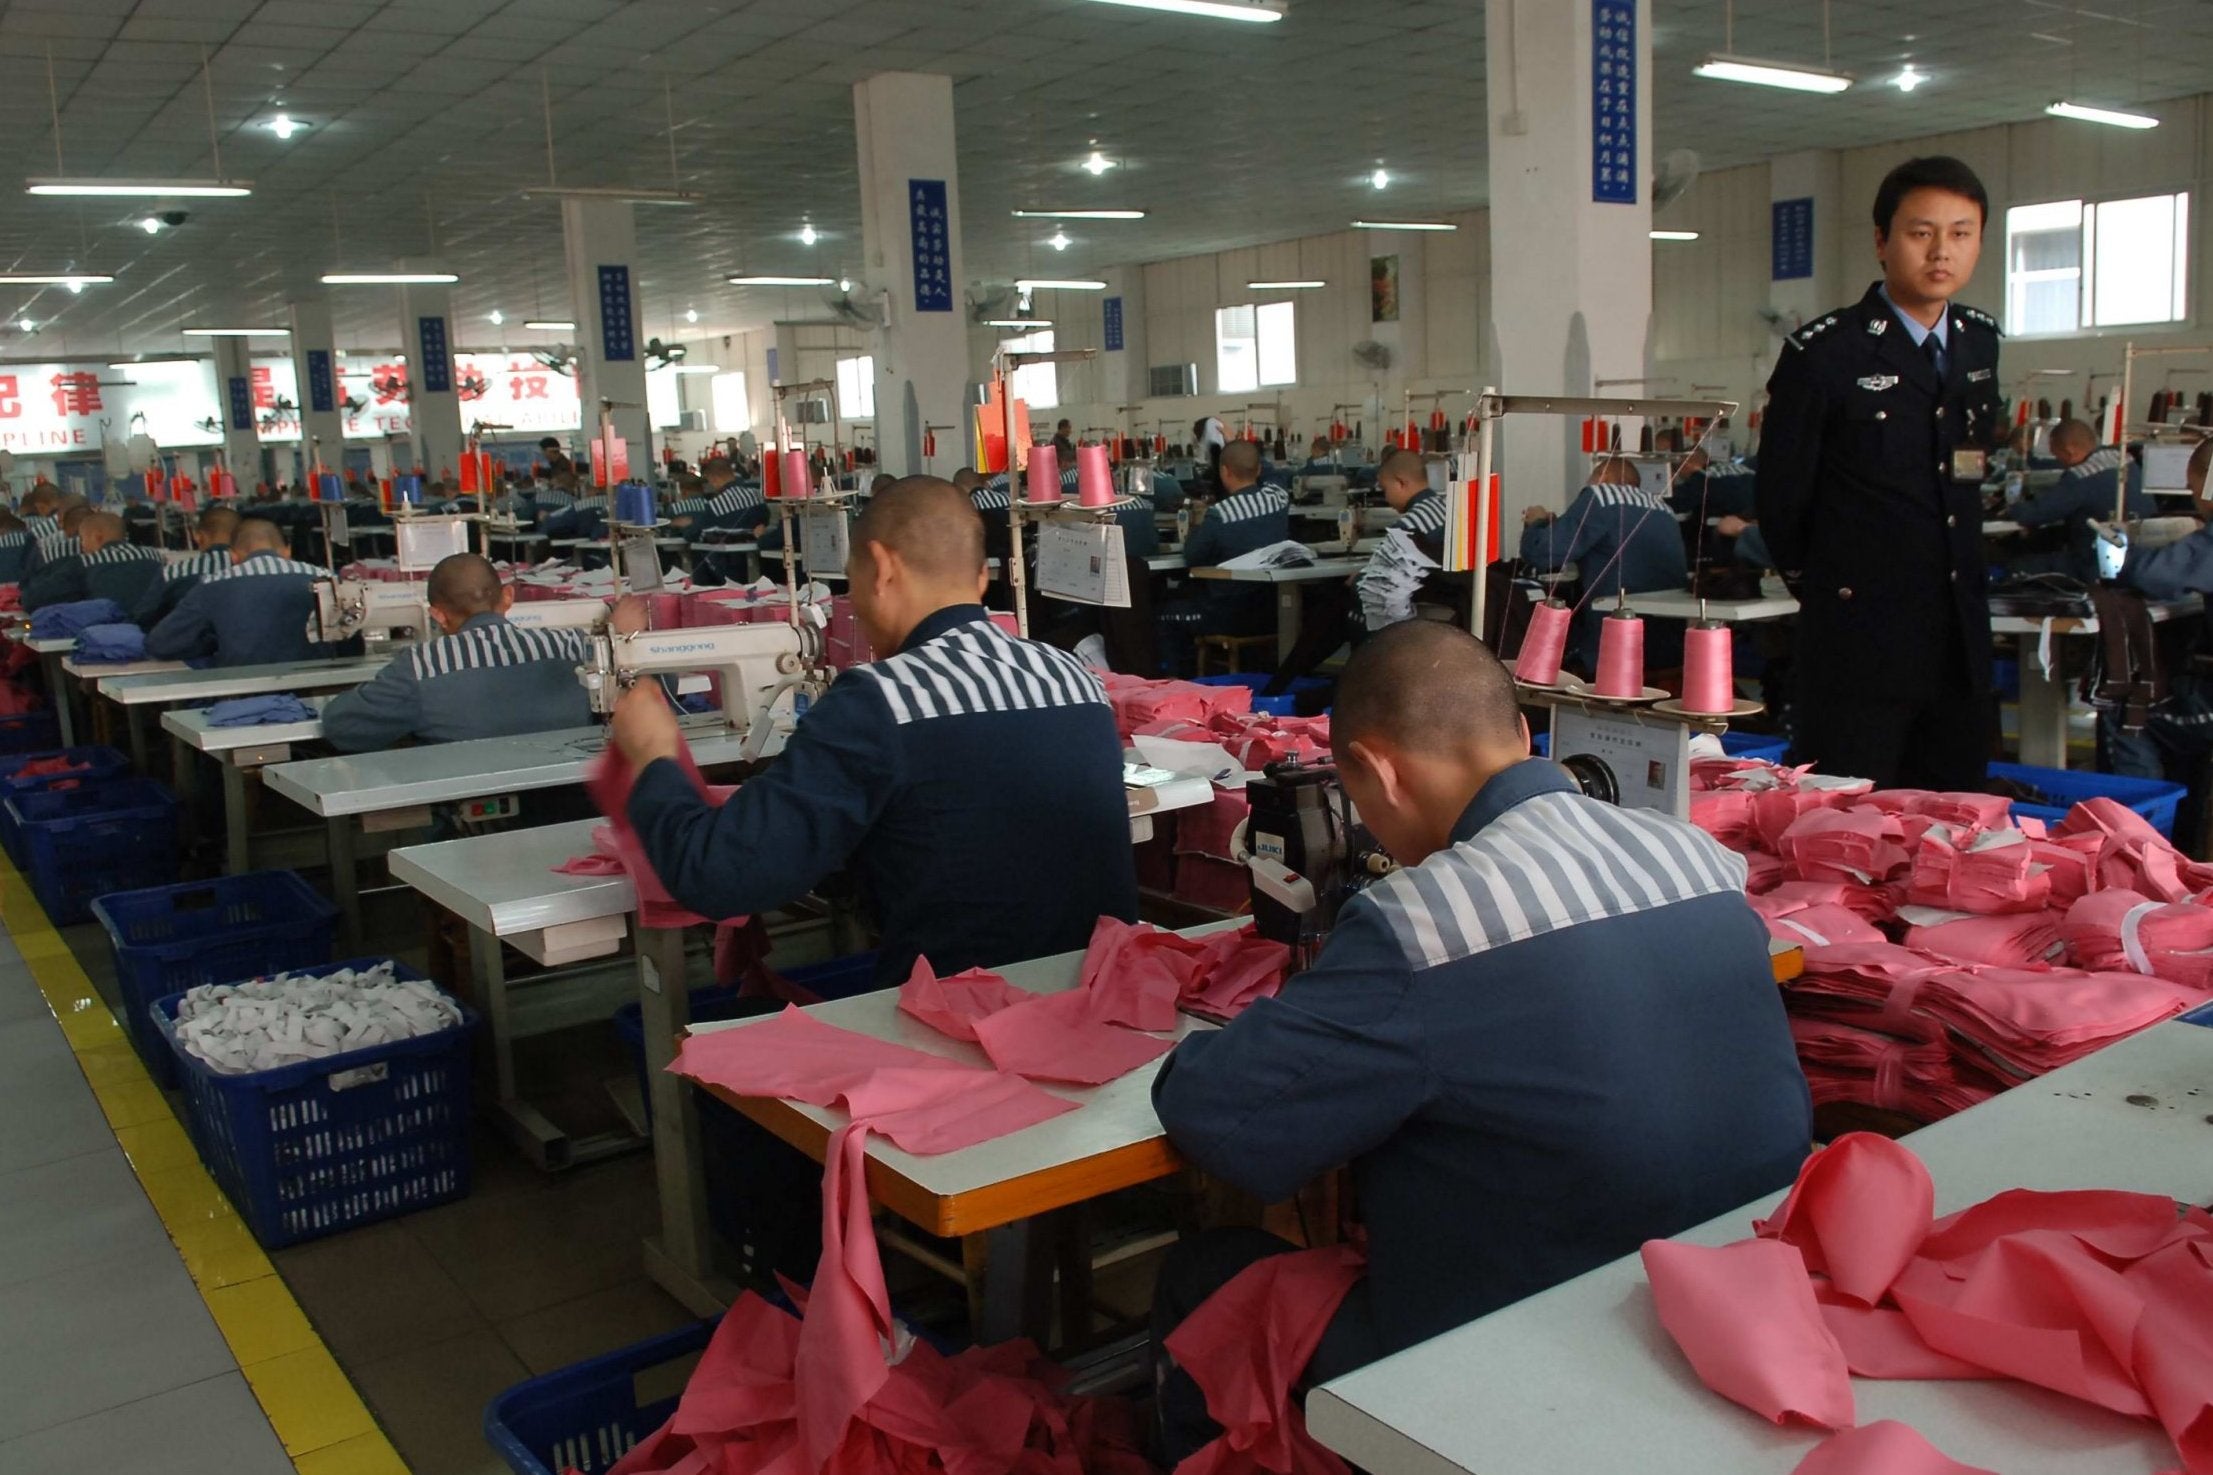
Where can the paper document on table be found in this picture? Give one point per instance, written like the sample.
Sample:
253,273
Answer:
420,545
1286,554
1083,562
1209,760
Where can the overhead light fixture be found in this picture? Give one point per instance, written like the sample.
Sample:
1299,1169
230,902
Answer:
236,332
1044,284
691,314
1257,11
1724,68
1404,225
1059,241
622,192
549,325
1380,178
1098,164
150,224
773,281
1908,79
28,326
495,317
284,125
1018,322
156,358
1674,235
76,288
808,235
2110,116
386,278
70,279
699,368
158,189
1307,286
1079,214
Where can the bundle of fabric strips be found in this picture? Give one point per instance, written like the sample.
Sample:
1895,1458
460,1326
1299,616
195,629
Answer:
67,621
258,711
1949,951
111,644
264,1023
2106,1297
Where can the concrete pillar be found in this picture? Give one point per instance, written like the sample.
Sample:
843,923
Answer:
911,249
1124,377
602,243
1571,264
315,376
234,394
1807,208
433,377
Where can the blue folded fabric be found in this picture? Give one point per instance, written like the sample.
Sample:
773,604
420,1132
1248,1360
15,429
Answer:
111,642
63,621
257,711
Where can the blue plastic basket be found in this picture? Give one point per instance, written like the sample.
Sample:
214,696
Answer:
83,843
310,1149
1286,705
97,765
587,1417
2155,799
29,732
172,938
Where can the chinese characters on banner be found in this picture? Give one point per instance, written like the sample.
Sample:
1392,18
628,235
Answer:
618,330
933,251
321,382
1113,308
1791,245
437,360
1614,102
242,402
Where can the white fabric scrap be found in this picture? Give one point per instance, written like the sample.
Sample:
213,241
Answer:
265,1023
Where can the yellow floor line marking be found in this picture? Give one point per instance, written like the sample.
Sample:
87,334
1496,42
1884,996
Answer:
317,1413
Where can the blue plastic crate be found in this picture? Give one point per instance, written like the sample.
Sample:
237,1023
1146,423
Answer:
83,843
172,938
587,1417
29,732
1283,706
97,764
2155,799
310,1149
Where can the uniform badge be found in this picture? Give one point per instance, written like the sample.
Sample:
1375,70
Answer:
1877,326
1976,376
1879,381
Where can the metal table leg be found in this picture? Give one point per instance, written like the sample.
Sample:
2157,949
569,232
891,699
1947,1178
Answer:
237,823
1017,1290
680,1258
345,881
1290,604
58,688
2044,706
134,719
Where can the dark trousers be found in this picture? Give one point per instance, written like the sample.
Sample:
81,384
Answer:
1195,1269
1942,743
1329,618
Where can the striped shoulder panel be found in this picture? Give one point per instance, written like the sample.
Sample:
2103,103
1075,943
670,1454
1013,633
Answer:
1425,515
488,647
979,668
1728,468
990,498
736,498
122,553
1261,501
1608,494
2105,458
56,545
1551,862
262,568
14,540
199,566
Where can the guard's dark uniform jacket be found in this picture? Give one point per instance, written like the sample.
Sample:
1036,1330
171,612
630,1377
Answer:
972,783
254,613
122,572
489,679
1861,493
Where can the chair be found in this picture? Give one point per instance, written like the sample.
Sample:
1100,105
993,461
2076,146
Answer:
1231,650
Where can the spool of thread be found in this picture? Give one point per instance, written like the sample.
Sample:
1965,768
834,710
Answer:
1709,668
634,504
1546,644
407,490
328,488
1620,656
1094,477
1041,480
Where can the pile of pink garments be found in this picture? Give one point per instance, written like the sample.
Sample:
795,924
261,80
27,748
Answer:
1950,951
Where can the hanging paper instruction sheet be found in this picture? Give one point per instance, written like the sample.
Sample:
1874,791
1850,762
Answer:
1083,562
824,539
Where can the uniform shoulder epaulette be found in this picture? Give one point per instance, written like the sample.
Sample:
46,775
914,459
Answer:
1977,315
1806,336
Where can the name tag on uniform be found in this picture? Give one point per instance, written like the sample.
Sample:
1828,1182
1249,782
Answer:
1969,465
1976,376
1879,381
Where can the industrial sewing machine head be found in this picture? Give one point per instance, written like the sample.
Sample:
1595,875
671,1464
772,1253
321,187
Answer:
761,668
383,614
1308,854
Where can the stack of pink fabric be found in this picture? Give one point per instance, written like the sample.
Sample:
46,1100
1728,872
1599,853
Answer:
1139,701
1847,1064
2106,1297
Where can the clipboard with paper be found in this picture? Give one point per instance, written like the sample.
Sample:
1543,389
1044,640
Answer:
1083,563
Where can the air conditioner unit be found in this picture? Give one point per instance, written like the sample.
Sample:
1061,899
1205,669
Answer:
692,420
1166,381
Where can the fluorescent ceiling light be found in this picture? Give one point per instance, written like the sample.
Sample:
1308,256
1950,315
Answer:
236,332
549,325
28,326
157,358
148,188
53,279
699,368
1403,225
1043,284
1380,178
1018,322
2117,119
1246,10
151,225
610,192
781,281
1284,286
284,125
1079,214
808,235
495,317
384,278
1771,74
1674,235
1098,164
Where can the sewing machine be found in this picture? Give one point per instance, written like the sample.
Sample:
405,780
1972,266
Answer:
383,614
761,667
1308,854
587,614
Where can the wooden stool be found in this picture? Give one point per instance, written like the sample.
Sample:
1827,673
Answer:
1231,649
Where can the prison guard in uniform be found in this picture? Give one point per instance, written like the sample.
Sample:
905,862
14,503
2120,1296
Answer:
1878,523
972,783
489,679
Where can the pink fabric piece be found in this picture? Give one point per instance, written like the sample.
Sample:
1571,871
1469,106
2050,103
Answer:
2132,855
1775,812
1949,872
1879,1342
2121,931
1831,844
1885,1447
1247,1346
1845,1063
1138,975
2174,1345
1858,1213
1790,919
609,782
1054,1038
595,864
1873,903
1745,1316
2019,940
951,1006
